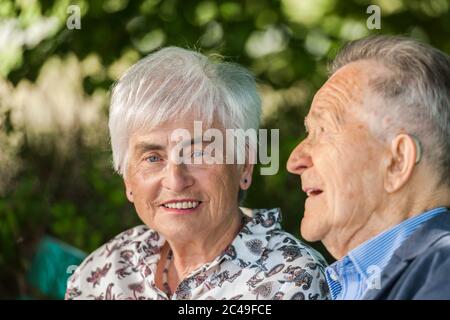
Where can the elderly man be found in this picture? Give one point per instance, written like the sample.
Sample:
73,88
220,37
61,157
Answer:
375,166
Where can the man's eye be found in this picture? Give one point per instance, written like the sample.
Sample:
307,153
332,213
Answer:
153,159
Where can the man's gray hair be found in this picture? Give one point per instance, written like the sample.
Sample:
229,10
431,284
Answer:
172,83
416,90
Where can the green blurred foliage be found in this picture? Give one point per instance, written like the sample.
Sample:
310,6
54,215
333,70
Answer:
78,198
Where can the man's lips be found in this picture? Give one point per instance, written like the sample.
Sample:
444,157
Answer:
311,191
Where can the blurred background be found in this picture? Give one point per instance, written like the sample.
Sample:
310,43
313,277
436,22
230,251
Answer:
59,197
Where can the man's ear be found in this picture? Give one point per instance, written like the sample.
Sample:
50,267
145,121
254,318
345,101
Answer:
246,176
128,190
403,154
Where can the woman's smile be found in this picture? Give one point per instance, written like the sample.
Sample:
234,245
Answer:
182,206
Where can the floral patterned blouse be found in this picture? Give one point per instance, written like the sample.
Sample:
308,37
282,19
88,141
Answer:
262,262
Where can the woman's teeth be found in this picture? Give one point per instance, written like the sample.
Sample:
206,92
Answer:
182,205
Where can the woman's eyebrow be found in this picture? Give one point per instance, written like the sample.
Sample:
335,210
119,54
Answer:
142,147
191,142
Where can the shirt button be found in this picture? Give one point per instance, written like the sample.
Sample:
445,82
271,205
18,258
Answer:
334,276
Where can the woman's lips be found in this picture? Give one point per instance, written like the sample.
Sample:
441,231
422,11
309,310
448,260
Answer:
182,206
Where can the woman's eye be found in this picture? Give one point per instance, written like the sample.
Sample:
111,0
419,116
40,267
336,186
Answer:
197,153
153,159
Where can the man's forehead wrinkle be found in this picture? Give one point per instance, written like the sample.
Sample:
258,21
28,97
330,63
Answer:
349,86
346,88
332,100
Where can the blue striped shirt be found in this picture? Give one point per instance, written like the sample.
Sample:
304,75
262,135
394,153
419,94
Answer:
360,270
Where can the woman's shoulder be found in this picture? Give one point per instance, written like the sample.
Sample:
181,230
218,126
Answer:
292,248
283,258
131,239
123,249
127,238
281,242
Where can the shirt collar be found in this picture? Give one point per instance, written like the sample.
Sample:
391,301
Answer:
249,245
374,254
424,238
248,248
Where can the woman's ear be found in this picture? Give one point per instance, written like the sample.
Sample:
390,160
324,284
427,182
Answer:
403,158
128,190
246,176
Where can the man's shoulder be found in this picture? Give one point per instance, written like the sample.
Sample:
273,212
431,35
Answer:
429,241
436,255
424,275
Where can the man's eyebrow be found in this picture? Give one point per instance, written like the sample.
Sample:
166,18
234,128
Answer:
317,114
305,123
322,114
311,117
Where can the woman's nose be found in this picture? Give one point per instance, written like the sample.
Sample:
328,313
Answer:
299,160
176,177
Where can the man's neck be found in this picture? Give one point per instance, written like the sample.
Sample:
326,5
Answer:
398,208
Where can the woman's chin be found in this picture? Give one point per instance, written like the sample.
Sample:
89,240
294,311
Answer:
183,231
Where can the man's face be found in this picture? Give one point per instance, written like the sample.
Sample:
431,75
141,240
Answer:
159,184
340,161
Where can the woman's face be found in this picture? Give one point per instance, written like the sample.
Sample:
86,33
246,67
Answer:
181,200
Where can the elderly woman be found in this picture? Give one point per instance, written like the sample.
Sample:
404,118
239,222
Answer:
196,242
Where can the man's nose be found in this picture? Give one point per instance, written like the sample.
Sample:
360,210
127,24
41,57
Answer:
299,160
177,178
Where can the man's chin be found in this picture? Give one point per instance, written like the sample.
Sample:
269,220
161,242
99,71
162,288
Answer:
309,230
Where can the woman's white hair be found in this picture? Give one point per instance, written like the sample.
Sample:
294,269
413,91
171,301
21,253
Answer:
172,83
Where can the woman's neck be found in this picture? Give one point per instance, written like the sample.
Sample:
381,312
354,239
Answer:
201,249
